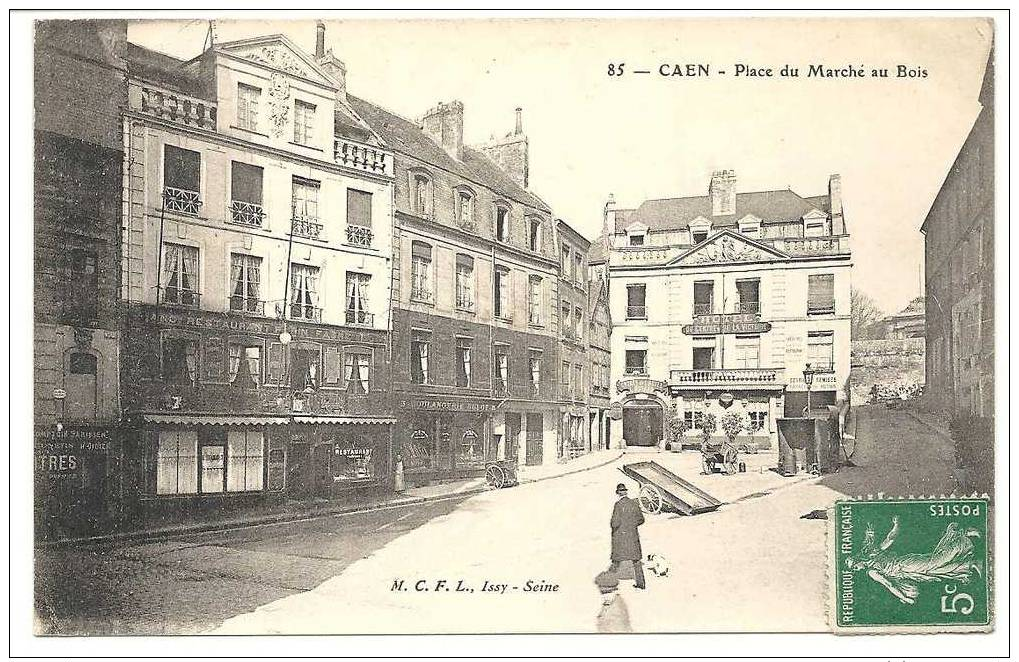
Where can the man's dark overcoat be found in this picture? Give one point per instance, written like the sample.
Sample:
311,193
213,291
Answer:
626,517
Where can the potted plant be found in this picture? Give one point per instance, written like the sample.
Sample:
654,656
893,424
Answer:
708,424
732,424
677,427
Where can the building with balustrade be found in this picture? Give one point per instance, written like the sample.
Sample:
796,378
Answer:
255,276
720,301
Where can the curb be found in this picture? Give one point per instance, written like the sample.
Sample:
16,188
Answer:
279,518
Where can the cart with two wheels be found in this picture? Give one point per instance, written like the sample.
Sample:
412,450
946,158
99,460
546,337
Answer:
660,490
501,473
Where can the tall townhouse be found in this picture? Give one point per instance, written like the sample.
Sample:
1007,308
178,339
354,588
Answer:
80,87
599,361
574,363
257,248
475,329
720,301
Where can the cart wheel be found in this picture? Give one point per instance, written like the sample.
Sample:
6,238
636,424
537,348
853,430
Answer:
730,461
650,499
495,476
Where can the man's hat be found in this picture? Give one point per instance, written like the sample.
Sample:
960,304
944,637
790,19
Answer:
621,488
607,581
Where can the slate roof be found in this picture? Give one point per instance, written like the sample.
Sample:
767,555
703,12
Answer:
597,251
676,213
404,136
162,69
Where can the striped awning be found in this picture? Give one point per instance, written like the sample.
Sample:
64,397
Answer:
354,420
197,419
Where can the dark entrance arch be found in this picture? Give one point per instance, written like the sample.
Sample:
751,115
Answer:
643,422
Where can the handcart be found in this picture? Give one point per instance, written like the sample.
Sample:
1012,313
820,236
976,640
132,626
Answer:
660,489
501,473
722,458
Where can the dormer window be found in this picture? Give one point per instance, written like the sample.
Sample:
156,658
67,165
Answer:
700,228
502,222
465,209
534,235
636,240
421,194
636,234
750,226
815,224
699,236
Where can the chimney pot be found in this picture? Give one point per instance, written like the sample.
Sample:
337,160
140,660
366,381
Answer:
520,122
320,39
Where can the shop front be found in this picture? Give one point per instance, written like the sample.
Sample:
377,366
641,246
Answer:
332,456
444,438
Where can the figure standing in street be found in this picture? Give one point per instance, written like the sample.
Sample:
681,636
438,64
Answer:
626,517
613,615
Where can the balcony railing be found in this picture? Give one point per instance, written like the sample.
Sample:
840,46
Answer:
636,312
359,235
363,157
246,213
726,376
817,308
635,370
814,245
172,106
360,318
703,308
182,201
306,226
748,307
822,366
299,311
420,294
175,296
247,305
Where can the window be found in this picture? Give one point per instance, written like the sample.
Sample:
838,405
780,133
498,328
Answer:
502,371
180,275
421,271
465,282
357,299
820,294
636,239
748,352
565,377
81,286
463,362
703,297
748,295
304,292
502,223
758,420
357,370
180,360
245,364
465,210
245,278
244,451
534,300
820,350
422,195
534,235
578,323
636,301
699,236
578,267
814,229
177,462
503,288
182,177
565,323
703,358
565,263
419,359
359,218
305,367
304,121
246,194
534,364
578,378
305,208
83,364
636,362
247,106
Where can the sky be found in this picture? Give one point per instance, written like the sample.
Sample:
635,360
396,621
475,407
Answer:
649,136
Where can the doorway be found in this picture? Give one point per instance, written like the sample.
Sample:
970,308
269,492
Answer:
643,424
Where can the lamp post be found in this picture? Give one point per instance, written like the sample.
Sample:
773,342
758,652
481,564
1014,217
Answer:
808,379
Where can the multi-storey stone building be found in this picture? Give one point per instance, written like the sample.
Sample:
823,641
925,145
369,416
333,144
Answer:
599,359
256,275
574,334
720,301
959,259
475,328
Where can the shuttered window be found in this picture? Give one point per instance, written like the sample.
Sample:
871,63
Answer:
245,183
359,208
182,168
821,293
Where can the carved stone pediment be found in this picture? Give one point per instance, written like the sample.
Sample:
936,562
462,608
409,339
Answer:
280,54
728,247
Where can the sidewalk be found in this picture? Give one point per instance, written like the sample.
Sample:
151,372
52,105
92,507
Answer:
164,524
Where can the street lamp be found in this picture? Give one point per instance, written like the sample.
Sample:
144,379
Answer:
808,379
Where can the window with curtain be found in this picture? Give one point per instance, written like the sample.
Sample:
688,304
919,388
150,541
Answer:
748,352
357,299
180,274
820,294
465,209
357,367
359,218
305,364
245,364
820,350
177,462
502,368
503,303
421,271
304,292
464,282
304,122
245,279
534,300
180,360
535,368
245,451
419,360
463,362
247,106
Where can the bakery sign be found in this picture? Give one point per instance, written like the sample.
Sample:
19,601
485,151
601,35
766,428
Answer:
726,323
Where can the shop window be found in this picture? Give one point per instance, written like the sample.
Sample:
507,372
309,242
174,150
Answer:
472,448
245,279
502,368
419,359
636,362
304,293
304,367
177,462
359,218
182,178
534,300
463,362
418,445
245,453
180,275
636,301
304,122
180,360
212,456
464,282
421,271
248,97
503,293
245,365
357,299
820,294
352,460
81,286
357,370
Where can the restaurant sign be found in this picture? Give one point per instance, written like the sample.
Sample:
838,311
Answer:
62,454
726,323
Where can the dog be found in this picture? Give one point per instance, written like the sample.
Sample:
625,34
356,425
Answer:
658,564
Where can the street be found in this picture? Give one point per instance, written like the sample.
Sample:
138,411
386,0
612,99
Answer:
468,565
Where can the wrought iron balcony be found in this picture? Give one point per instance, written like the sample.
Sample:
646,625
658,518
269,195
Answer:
725,376
636,312
310,313
182,201
359,235
306,226
748,307
360,318
247,305
176,296
246,213
703,308
420,294
635,370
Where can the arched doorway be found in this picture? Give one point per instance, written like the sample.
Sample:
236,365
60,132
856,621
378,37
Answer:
643,422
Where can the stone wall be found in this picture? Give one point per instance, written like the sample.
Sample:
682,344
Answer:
884,362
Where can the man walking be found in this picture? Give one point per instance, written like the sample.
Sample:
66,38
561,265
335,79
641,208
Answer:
626,517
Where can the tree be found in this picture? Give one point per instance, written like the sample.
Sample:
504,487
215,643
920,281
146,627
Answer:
676,428
708,424
864,315
732,425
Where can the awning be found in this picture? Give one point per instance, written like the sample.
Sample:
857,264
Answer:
192,419
354,420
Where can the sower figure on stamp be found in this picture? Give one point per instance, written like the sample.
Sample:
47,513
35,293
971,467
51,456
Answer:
626,517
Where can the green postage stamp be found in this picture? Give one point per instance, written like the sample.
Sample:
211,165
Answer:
909,565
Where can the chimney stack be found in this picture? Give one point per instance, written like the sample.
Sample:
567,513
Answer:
723,192
520,122
510,153
445,125
331,64
838,223
320,40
